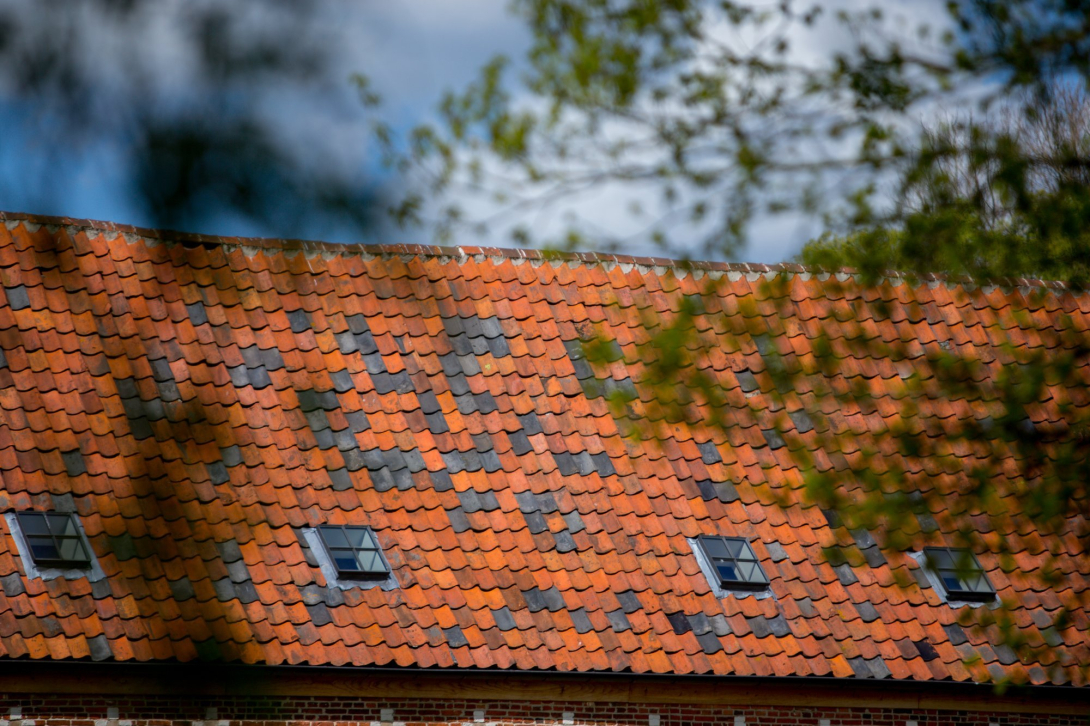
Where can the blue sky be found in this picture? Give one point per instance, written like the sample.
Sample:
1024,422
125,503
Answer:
55,163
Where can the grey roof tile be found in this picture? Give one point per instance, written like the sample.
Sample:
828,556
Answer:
709,642
319,614
437,423
720,624
341,479
565,463
357,421
99,648
217,472
73,462
181,589
574,522
772,436
564,541
231,455
12,584
229,551
491,327
357,323
251,356
531,424
535,521
469,500
630,603
346,342
381,479
458,519
776,551
498,347
879,668
581,621
504,620
845,575
619,621
196,313
709,454
237,571
802,421
428,402
603,465
860,667
520,445
455,637
955,633
679,622
535,600
440,480
259,377
485,402
225,589
298,320
778,625
365,343
553,599
700,624
271,359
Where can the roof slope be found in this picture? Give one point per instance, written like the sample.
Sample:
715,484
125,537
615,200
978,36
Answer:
199,404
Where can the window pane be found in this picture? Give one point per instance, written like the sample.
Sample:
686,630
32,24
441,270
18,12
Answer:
940,558
979,584
727,571
951,582
62,524
745,571
745,552
32,523
714,547
345,562
72,549
41,548
333,536
370,561
359,537
736,547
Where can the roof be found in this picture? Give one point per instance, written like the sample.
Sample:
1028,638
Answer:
200,402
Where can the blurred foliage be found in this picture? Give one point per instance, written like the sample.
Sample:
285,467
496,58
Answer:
184,101
733,110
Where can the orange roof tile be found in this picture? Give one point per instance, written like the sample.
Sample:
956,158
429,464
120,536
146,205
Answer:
199,401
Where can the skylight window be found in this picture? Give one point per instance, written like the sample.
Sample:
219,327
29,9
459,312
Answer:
959,573
734,562
354,552
54,539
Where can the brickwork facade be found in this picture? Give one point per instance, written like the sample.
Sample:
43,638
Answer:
82,710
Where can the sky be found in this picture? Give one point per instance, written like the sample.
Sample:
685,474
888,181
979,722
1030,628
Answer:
76,143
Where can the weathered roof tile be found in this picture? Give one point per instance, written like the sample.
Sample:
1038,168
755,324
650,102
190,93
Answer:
469,432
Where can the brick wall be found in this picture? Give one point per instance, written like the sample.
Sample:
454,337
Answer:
76,710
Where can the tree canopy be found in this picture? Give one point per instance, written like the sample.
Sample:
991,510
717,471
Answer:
955,145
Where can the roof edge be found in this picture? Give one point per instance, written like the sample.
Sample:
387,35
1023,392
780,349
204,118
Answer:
752,269
221,679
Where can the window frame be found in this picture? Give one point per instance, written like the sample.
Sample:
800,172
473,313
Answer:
959,556
55,539
737,584
331,552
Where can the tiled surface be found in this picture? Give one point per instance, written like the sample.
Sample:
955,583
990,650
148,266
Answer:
199,406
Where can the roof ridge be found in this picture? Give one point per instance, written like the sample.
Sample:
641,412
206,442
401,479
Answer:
516,253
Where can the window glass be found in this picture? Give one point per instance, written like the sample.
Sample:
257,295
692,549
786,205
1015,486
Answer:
54,539
960,573
354,551
734,561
